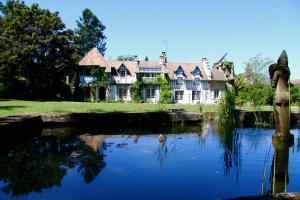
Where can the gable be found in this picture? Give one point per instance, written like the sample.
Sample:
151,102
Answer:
196,71
179,70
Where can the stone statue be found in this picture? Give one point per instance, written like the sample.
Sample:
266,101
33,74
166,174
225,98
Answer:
280,75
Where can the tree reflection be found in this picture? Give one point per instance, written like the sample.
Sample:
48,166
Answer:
42,163
30,168
231,143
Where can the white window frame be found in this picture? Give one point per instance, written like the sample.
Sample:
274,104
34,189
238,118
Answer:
179,97
196,95
123,92
216,94
122,73
150,92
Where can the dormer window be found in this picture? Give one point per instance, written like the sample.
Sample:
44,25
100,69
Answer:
197,72
122,70
179,71
180,80
197,81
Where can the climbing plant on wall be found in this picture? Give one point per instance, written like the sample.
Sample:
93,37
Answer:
136,91
165,90
100,80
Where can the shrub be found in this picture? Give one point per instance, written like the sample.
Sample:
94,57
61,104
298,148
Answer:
165,90
136,91
226,108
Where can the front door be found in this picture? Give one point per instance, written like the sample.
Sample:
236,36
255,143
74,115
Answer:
102,93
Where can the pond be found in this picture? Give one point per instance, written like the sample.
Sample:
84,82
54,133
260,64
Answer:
197,162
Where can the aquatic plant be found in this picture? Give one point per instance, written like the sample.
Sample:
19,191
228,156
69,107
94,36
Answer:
226,108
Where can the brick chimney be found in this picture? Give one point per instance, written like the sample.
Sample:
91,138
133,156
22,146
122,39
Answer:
163,58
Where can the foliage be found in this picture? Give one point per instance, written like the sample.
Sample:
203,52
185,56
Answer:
256,69
238,83
165,90
101,80
36,51
256,94
146,58
136,91
125,58
228,65
229,139
226,108
295,95
90,33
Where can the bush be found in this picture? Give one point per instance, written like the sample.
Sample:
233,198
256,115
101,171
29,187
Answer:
295,95
165,90
136,91
256,94
226,109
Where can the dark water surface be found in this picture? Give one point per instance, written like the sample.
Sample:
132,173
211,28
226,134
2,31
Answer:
175,163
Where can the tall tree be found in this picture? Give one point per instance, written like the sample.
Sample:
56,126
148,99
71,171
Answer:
146,58
256,69
90,33
36,50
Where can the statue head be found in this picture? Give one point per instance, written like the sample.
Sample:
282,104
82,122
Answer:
282,69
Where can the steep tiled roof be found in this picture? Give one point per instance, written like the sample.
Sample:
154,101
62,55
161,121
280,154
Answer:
188,70
218,75
128,64
93,58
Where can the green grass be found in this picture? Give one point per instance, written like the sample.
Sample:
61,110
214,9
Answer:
16,107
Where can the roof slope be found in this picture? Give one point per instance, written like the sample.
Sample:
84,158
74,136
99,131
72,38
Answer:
93,58
188,70
218,75
128,64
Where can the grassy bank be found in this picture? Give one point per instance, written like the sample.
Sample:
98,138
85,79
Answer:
15,107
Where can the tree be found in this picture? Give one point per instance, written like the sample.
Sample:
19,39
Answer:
146,58
125,58
256,69
90,33
36,51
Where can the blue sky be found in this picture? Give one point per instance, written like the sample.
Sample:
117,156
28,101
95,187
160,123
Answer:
193,28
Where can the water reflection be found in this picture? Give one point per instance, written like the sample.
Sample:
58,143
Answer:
182,159
279,176
230,141
42,163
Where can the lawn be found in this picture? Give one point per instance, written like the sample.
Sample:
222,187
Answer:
15,107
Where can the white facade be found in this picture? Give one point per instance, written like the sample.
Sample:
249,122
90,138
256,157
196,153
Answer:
190,83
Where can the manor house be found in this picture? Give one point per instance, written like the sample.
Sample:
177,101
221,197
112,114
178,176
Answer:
190,83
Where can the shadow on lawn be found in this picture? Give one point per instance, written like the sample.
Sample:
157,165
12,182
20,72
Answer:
11,107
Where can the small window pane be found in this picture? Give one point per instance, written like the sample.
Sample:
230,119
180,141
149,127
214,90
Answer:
216,94
196,95
178,95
